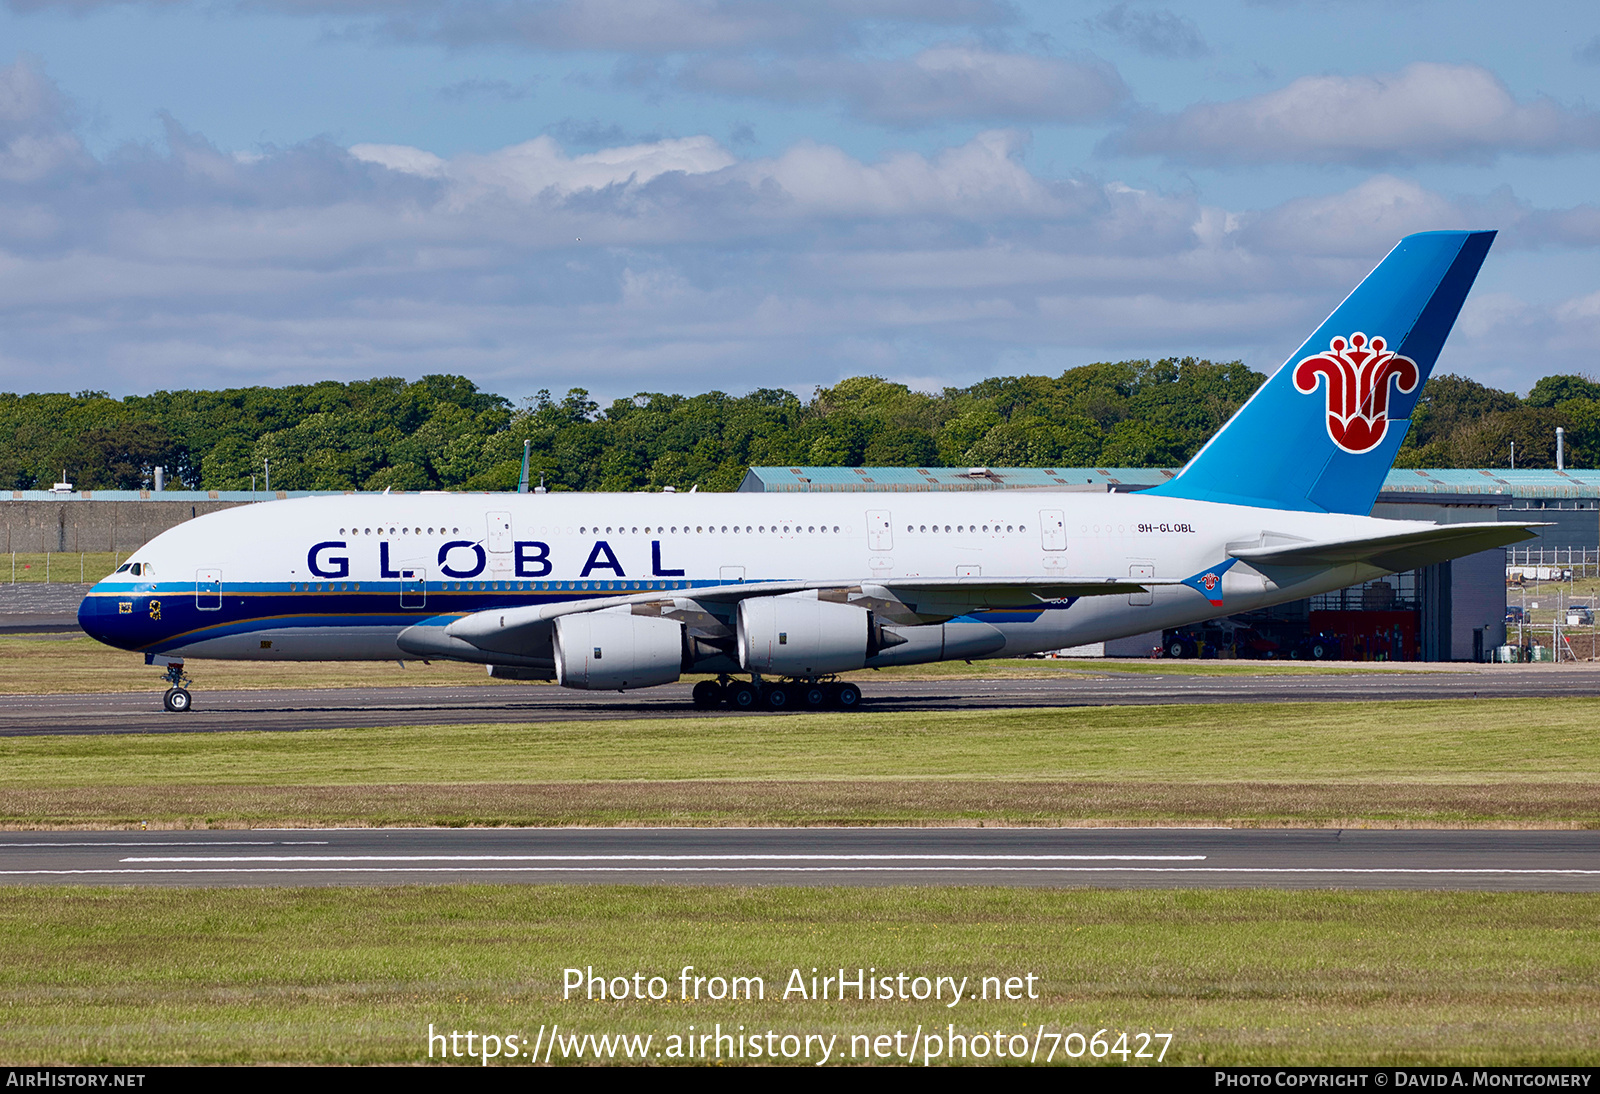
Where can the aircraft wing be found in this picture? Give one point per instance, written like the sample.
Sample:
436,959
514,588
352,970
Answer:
1397,552
930,596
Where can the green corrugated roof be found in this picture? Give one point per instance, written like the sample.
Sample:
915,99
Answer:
1517,484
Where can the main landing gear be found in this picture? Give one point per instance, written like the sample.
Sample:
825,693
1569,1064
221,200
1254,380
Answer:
788,695
177,699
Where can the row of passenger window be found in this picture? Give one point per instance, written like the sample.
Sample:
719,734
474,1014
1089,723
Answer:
967,528
497,586
584,530
710,529
398,531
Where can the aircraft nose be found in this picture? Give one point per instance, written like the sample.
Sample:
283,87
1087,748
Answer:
103,618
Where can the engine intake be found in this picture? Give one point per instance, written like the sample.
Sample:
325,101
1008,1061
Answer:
613,651
794,636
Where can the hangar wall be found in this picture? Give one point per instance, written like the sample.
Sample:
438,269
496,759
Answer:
1463,601
36,521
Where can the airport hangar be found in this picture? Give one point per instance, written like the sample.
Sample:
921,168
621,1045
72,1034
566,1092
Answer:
1453,611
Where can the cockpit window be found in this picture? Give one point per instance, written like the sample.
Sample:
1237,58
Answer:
137,569
124,568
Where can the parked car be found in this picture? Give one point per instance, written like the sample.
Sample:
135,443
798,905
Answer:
1514,613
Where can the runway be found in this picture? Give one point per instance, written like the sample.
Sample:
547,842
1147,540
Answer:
1033,857
334,708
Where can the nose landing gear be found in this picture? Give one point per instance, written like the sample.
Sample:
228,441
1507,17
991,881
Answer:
177,699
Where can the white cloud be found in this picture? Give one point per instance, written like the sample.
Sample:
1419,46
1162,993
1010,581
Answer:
186,265
1507,342
1424,112
1358,221
939,84
401,158
1373,214
982,179
36,140
541,166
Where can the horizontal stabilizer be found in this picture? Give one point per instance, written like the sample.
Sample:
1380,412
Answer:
1395,552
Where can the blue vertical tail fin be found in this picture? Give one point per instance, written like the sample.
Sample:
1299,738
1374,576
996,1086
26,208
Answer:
1321,434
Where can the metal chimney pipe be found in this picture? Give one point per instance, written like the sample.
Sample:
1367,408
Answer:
161,478
1561,437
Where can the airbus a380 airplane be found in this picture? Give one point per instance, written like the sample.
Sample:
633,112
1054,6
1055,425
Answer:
619,591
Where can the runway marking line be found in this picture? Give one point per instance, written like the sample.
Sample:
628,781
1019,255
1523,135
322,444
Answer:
167,843
776,857
1021,868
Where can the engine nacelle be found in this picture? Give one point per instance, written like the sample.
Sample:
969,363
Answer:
791,636
615,651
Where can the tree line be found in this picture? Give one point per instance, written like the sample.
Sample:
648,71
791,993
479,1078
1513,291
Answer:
442,433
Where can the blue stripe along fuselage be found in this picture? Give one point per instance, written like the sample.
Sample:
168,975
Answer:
152,618
155,619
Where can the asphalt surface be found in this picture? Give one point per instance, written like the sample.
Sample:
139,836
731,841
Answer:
39,608
1128,858
297,709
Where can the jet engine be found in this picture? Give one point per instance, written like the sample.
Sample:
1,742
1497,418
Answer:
795,636
615,651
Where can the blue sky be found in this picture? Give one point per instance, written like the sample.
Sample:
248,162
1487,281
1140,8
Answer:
692,194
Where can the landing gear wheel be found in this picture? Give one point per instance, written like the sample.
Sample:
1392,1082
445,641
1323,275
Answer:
813,696
706,695
176,700
776,698
743,696
1175,649
846,696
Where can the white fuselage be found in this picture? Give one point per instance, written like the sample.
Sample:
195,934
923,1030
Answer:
338,578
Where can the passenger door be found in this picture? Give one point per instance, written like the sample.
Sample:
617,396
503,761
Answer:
208,590
1141,570
498,543
413,586
880,530
1053,529
499,540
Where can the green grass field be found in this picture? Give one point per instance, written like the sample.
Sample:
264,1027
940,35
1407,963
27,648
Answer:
133,976
96,976
58,567
1464,762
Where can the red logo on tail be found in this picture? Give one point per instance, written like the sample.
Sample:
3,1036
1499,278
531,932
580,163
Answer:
1359,374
